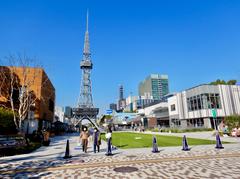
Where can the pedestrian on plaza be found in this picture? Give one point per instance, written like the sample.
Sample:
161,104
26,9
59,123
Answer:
84,137
96,140
154,145
109,141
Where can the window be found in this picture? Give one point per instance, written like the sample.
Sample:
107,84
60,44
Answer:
218,102
204,101
51,105
176,122
173,107
194,103
199,104
188,104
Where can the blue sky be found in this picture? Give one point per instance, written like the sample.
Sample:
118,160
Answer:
193,41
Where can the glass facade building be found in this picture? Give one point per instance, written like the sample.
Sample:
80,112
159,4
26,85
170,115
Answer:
155,85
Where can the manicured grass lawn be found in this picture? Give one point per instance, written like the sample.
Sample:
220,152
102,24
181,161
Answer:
126,140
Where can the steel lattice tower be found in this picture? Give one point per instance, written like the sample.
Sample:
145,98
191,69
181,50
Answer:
85,98
85,108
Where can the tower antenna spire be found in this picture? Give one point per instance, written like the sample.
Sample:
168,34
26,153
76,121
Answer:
87,22
86,49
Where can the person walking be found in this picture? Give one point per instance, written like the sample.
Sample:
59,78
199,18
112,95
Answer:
84,137
96,140
109,142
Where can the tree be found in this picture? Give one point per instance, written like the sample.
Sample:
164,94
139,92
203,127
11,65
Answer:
222,82
18,78
9,90
232,121
232,82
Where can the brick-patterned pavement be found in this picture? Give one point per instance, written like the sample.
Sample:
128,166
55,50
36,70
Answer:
200,162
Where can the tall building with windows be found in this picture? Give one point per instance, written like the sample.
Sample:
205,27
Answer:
68,111
121,92
113,106
121,100
154,85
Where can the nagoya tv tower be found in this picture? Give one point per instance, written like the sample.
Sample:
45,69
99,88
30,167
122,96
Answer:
85,108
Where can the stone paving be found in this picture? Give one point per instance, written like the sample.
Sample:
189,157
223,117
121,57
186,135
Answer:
170,162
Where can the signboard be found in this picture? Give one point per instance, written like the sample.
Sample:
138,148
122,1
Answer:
109,111
214,113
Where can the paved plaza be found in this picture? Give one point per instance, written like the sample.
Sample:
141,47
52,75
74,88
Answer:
170,162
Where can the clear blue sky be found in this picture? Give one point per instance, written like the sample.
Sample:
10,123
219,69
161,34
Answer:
194,42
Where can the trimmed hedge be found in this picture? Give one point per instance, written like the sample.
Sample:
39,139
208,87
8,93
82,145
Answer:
20,150
175,130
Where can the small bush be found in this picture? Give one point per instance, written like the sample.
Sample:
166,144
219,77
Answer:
7,125
232,121
176,130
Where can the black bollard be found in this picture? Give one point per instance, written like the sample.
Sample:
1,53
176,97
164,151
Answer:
67,152
185,144
154,145
218,142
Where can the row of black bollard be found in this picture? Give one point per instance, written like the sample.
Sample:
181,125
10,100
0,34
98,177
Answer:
154,146
185,144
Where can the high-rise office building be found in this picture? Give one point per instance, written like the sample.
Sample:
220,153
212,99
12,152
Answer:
68,112
113,106
121,100
120,92
154,85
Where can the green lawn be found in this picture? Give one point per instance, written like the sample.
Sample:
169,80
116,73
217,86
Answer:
126,140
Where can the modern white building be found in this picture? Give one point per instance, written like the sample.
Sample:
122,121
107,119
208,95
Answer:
136,102
158,112
203,105
59,114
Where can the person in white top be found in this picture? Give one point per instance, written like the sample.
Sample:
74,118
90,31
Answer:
109,141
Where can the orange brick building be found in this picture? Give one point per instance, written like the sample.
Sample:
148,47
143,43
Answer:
36,80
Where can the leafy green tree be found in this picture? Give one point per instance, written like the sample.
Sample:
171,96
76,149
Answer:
232,82
232,121
223,82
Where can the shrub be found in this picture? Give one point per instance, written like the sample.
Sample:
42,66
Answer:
7,125
232,121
